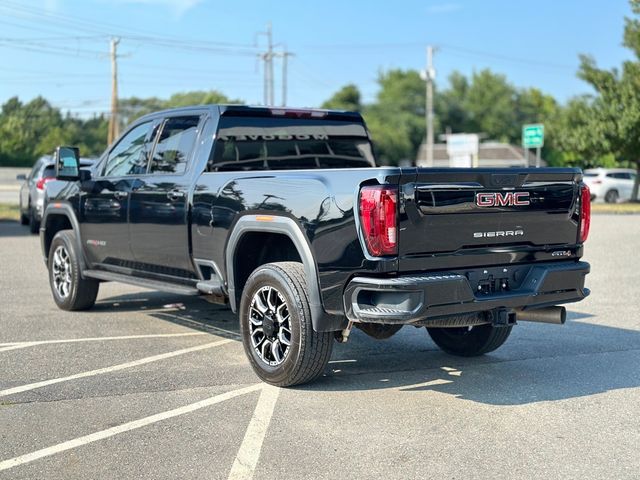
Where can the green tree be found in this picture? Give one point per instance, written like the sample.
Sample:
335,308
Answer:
29,130
449,105
491,106
396,120
21,128
134,107
347,98
609,122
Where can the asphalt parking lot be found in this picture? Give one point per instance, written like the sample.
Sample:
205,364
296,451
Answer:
152,385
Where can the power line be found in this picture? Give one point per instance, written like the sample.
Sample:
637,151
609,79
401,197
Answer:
108,29
497,56
52,39
348,49
54,51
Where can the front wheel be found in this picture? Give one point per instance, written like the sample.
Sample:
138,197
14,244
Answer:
469,341
277,333
70,291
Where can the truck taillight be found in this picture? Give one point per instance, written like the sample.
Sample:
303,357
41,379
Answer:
378,219
40,183
585,212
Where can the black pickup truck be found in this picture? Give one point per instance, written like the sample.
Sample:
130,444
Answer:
283,214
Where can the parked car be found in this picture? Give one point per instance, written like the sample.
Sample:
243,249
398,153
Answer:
283,214
32,191
611,185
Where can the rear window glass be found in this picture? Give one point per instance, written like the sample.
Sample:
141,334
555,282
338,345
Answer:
49,171
266,143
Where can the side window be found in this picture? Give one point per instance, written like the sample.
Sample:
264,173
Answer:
129,156
174,145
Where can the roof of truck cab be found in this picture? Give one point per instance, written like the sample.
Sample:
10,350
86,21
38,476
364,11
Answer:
252,110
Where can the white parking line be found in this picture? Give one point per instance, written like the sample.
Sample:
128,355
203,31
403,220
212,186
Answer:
122,366
16,345
125,427
247,458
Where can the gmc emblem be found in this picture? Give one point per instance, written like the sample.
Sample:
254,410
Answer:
507,199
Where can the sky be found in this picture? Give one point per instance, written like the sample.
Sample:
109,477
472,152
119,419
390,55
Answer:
59,48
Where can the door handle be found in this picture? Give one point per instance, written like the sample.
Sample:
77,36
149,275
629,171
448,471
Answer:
120,194
174,195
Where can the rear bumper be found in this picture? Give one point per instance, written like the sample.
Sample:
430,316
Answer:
413,298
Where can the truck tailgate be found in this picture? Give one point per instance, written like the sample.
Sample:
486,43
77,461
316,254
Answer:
458,211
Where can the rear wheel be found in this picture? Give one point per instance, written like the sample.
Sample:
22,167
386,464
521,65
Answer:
277,333
24,220
70,291
469,341
611,196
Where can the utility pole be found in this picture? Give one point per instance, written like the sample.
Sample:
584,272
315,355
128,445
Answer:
269,79
113,119
268,67
430,74
285,55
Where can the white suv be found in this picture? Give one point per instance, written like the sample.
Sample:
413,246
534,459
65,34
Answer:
610,184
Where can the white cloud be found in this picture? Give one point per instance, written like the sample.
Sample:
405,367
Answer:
178,7
444,8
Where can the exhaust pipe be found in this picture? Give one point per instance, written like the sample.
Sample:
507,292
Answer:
555,315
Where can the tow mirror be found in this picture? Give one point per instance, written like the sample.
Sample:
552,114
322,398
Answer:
67,163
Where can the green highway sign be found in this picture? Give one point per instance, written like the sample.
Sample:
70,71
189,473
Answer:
533,135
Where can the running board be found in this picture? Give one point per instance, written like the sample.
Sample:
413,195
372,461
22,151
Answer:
141,282
210,287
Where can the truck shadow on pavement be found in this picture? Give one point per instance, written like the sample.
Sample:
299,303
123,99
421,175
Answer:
537,363
190,312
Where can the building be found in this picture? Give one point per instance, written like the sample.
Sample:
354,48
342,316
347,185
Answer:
490,154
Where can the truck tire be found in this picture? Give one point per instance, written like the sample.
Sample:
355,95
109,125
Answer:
469,341
70,291
275,322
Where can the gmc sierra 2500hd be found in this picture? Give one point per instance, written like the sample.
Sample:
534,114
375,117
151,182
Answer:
283,214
